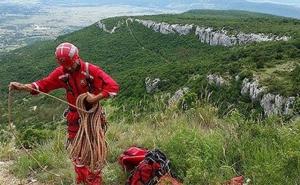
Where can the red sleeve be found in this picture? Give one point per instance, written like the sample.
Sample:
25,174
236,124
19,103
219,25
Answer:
103,81
49,83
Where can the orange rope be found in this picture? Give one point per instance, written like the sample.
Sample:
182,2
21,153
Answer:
63,101
89,147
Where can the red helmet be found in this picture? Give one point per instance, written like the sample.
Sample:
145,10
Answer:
66,54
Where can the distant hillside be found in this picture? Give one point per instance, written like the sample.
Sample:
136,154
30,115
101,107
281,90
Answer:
134,52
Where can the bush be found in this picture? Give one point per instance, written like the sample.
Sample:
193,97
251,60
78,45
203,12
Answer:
189,100
32,137
247,73
8,150
296,106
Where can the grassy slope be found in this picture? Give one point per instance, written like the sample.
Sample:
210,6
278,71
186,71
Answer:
203,149
175,59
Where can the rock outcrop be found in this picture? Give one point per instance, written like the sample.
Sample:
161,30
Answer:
210,35
177,96
152,85
166,28
252,89
216,80
272,104
276,104
103,27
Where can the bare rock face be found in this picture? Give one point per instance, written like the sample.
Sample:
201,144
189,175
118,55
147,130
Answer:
276,104
288,107
252,89
271,104
209,35
216,79
182,29
177,96
221,37
103,27
152,85
206,35
147,23
166,28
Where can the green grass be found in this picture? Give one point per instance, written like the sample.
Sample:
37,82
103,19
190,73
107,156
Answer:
48,162
203,148
8,151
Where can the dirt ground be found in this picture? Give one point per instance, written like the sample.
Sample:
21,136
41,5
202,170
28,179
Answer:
6,178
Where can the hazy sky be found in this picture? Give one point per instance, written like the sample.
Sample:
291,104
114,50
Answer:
289,2
20,1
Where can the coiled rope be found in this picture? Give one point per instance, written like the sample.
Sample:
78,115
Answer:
89,147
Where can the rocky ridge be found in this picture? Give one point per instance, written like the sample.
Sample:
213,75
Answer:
210,35
206,35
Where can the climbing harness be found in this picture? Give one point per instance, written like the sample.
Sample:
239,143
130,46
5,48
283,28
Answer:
88,77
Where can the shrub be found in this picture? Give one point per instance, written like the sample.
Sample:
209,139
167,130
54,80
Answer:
31,137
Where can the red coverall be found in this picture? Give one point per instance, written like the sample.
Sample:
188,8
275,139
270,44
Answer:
75,84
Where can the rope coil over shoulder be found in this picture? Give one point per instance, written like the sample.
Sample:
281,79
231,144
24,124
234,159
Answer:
89,146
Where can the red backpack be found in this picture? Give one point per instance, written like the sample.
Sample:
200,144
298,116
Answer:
132,157
148,166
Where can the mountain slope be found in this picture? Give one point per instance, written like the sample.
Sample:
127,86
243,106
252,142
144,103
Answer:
134,52
206,145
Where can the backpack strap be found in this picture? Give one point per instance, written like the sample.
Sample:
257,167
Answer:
87,69
65,78
89,78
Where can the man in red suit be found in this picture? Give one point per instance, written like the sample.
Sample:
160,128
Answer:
76,77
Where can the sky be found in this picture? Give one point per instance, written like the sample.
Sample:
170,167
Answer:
287,2
19,1
275,7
